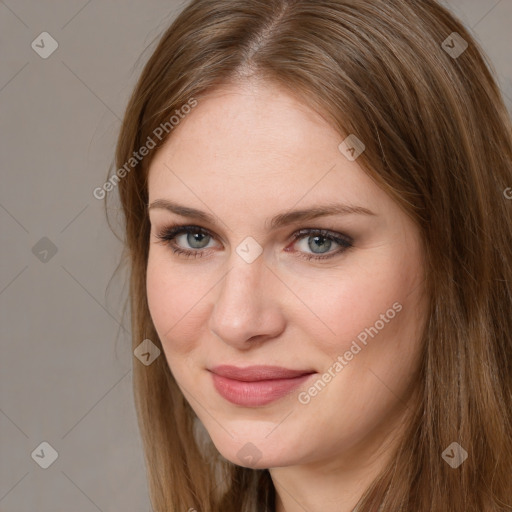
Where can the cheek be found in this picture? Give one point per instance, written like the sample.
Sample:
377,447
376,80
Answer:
374,306
174,301
387,337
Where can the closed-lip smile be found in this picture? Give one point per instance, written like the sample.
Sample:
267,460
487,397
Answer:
258,385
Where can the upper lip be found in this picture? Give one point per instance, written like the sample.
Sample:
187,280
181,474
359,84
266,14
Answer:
258,372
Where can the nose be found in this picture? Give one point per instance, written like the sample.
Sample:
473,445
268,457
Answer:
247,308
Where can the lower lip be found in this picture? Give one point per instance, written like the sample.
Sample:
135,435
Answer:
252,394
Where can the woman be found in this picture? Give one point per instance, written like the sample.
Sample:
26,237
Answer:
320,246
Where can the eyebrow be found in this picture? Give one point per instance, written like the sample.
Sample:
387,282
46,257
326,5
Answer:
282,219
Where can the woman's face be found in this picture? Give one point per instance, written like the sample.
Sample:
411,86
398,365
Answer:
343,308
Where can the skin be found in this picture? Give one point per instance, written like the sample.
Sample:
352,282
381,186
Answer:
247,152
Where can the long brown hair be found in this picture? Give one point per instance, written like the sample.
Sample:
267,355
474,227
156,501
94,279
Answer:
439,140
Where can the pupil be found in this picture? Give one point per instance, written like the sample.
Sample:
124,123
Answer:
325,243
197,238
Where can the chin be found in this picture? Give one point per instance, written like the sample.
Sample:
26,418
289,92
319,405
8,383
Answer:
259,454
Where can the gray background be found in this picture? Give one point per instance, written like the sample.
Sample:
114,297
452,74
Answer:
65,347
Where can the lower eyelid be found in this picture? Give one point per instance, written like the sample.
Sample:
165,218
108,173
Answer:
341,243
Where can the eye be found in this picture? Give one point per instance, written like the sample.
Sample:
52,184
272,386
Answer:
195,236
318,241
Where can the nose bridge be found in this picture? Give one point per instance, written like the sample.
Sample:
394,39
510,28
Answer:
243,307
239,291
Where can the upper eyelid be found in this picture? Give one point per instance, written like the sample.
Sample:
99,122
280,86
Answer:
296,235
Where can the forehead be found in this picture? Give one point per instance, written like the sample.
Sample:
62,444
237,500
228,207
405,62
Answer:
253,118
255,145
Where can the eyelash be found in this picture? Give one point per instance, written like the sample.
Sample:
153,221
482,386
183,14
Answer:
169,233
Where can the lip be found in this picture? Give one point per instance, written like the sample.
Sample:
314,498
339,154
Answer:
254,386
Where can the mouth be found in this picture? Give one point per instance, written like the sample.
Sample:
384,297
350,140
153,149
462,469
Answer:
257,385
